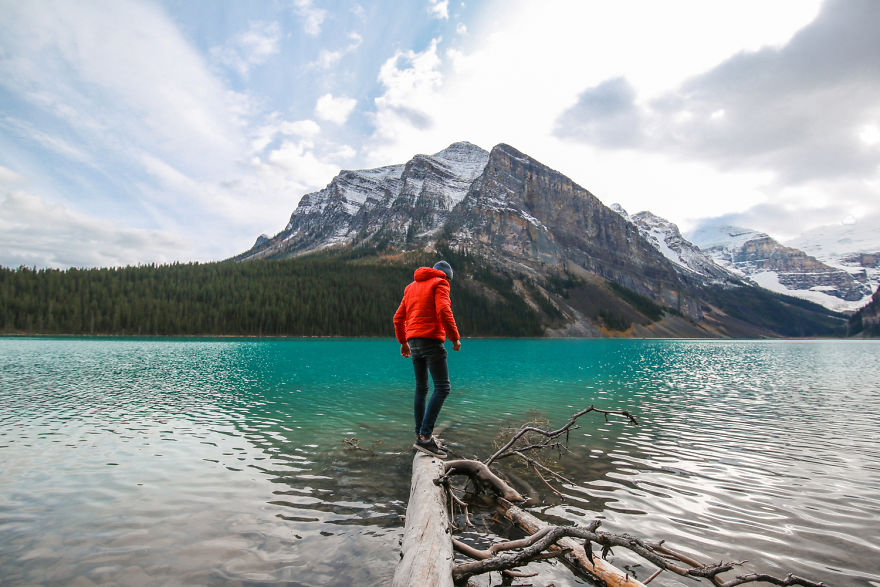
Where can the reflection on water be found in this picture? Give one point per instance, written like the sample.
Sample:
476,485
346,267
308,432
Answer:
222,462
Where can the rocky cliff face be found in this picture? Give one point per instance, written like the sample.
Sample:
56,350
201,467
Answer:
389,206
763,261
686,256
524,213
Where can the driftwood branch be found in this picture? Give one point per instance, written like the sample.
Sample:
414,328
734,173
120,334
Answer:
483,477
583,559
532,547
537,465
575,557
478,554
556,433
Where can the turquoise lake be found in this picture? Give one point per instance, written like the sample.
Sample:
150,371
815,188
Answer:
222,461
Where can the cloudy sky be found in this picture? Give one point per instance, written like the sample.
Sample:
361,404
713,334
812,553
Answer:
135,131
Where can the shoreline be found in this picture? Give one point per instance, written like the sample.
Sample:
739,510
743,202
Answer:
391,337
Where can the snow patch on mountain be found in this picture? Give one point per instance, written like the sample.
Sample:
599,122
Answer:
666,237
770,280
360,185
465,162
723,237
763,261
832,242
851,246
391,203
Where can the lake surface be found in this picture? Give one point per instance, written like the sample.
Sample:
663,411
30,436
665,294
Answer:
222,462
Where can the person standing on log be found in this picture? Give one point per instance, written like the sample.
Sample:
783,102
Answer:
422,323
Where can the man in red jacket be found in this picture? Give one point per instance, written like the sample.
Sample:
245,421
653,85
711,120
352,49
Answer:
422,323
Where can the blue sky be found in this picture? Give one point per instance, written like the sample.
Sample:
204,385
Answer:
136,131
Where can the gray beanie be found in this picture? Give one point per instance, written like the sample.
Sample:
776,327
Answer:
445,268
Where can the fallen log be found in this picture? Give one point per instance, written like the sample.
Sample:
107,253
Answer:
576,557
426,549
427,545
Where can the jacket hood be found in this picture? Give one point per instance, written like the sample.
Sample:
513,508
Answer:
426,273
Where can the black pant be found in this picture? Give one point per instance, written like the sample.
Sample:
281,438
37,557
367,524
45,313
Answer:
429,354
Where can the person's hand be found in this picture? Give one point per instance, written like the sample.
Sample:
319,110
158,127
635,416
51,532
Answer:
456,345
404,351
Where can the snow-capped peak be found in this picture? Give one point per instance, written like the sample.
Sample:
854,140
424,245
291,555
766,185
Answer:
666,238
723,236
619,209
830,243
763,261
465,162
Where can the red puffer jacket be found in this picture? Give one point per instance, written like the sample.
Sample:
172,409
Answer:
426,310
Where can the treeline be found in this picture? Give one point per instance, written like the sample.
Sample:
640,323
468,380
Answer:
785,315
307,296
866,322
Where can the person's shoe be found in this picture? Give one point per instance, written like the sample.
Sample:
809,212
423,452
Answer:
440,444
429,447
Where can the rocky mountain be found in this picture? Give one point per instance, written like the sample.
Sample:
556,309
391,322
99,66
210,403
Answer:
398,205
523,230
666,238
756,257
534,219
853,246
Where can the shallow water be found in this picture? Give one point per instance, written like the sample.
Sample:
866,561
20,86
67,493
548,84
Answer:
209,462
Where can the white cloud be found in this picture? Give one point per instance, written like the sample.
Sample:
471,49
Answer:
461,28
404,112
439,9
493,86
302,128
48,141
334,109
870,134
343,152
252,47
790,110
312,17
328,59
120,74
9,177
36,233
136,102
302,164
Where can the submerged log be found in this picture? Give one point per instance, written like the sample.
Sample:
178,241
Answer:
576,557
426,550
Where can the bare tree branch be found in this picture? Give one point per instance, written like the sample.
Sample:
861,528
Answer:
536,464
559,432
546,538
481,476
755,577
549,535
475,553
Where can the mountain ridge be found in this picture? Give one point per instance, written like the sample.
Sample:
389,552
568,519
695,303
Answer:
758,258
517,217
